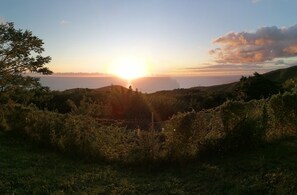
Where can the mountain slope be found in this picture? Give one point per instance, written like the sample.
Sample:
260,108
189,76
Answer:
281,75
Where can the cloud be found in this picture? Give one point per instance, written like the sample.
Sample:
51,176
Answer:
2,21
279,62
227,67
255,1
286,62
231,69
65,22
266,44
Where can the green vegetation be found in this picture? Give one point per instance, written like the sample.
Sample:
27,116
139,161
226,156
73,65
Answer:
221,139
257,87
125,104
232,126
20,52
28,169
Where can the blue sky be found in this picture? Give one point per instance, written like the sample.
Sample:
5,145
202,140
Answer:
170,35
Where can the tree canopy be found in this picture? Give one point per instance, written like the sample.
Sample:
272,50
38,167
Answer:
20,52
257,87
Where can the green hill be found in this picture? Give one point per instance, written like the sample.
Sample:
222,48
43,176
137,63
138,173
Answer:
281,75
270,168
123,103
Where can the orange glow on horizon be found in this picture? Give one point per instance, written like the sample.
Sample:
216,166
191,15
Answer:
129,68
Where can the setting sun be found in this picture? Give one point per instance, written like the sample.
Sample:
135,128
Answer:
129,68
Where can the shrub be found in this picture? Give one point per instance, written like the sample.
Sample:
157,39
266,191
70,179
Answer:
187,133
13,118
234,126
243,124
148,147
282,111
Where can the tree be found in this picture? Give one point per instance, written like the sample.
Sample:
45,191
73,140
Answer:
257,87
291,84
20,52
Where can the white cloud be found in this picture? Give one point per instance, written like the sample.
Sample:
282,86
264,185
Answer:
255,1
266,44
2,21
65,22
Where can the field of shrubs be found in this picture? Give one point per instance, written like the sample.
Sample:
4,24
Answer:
233,126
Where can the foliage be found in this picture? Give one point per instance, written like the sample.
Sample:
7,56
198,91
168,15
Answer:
282,111
148,148
230,127
76,135
234,126
257,87
291,85
86,107
244,125
28,169
119,103
20,53
186,133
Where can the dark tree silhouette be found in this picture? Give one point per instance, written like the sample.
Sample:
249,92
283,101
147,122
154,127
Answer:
257,87
20,52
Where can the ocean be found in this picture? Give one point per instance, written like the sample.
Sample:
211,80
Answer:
146,84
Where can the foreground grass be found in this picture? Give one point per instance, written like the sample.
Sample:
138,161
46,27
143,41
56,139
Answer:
26,169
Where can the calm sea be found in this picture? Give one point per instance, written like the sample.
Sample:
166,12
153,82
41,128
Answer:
147,84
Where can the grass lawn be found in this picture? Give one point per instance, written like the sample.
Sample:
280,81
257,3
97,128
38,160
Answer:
25,169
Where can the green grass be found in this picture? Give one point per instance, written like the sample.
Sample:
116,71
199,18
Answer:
26,168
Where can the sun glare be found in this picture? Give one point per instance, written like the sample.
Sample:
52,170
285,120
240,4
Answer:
129,68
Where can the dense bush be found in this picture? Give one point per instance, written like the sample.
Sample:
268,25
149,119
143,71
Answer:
78,135
243,124
186,133
256,87
234,126
282,113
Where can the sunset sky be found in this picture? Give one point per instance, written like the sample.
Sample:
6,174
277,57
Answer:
169,36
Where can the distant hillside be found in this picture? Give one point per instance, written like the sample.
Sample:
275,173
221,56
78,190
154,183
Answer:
121,102
98,90
281,75
219,93
223,87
